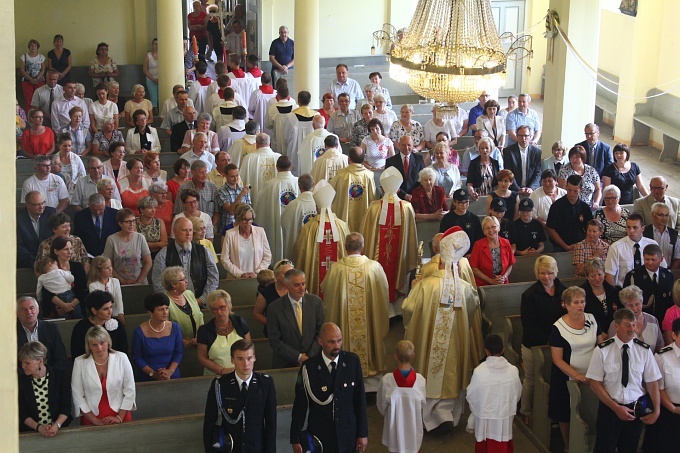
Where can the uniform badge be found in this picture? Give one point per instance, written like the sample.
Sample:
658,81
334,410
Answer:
230,410
324,388
345,384
580,218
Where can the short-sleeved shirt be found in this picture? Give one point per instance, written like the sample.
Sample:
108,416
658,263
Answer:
126,257
624,181
528,234
569,220
227,194
283,52
52,188
590,179
668,361
517,118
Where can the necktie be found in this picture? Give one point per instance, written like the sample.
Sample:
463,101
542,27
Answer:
98,226
558,166
637,258
592,156
333,370
49,106
244,390
655,284
624,366
298,314
406,167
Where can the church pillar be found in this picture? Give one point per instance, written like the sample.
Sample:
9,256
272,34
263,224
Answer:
307,49
170,54
569,102
9,416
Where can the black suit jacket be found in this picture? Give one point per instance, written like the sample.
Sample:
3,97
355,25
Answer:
513,161
177,133
594,306
27,241
58,396
284,335
84,228
49,336
416,164
474,176
672,232
337,433
260,413
662,296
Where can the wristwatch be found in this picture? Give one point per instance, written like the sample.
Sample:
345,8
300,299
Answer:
151,374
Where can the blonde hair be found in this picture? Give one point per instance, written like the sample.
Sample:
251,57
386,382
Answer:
95,268
545,262
571,293
405,351
217,295
265,277
98,334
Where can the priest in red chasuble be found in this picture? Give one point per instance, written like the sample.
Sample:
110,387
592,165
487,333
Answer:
389,228
321,241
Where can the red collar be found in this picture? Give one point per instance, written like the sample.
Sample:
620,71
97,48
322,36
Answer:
204,81
255,72
402,381
238,73
267,89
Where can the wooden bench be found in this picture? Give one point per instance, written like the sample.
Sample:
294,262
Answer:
643,124
542,370
512,338
478,207
606,95
583,418
426,229
523,269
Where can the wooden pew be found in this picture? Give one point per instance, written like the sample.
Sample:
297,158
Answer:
583,418
513,342
478,207
542,368
523,269
426,230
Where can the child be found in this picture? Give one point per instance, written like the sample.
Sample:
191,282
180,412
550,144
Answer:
252,65
199,236
58,282
101,278
493,394
528,232
498,209
264,277
400,399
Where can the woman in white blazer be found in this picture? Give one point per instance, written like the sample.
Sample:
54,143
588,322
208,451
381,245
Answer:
142,133
494,125
245,249
102,383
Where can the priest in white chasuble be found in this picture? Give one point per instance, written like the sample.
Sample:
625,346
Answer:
312,147
332,160
260,166
272,200
299,124
321,241
297,214
432,266
389,228
241,147
442,318
355,190
355,298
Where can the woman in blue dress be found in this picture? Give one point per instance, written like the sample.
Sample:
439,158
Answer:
157,343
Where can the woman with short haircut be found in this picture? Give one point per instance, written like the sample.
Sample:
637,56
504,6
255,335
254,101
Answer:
624,174
81,138
141,137
245,249
558,158
377,146
37,139
157,344
492,256
137,102
203,122
383,113
116,98
150,226
128,251
152,167
510,197
101,109
60,224
493,123
59,59
32,67
591,190
541,307
648,329
134,186
602,299
181,170
429,199
448,175
190,199
107,136
102,384
483,170
102,68
44,393
407,126
184,309
591,247
327,101
613,216
101,278
159,192
572,341
106,187
71,163
115,168
216,337
99,312
546,195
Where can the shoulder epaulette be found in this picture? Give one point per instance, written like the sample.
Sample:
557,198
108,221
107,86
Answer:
641,343
606,343
666,349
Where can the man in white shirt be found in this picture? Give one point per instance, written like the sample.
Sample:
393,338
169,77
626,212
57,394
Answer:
173,114
87,185
44,97
342,120
523,115
343,84
626,254
51,186
61,107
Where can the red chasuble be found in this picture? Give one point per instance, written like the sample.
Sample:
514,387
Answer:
388,250
328,253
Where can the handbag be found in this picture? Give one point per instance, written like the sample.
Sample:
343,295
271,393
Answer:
220,440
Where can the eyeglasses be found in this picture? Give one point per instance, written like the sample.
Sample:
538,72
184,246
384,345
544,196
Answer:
191,202
611,198
658,187
182,280
36,204
524,136
660,215
130,222
592,133
247,219
463,202
221,308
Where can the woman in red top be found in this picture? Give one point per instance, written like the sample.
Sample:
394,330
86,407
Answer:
181,168
328,107
428,200
37,139
198,20
135,189
491,258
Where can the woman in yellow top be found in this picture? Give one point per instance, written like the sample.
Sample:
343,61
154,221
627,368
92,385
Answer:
199,235
184,309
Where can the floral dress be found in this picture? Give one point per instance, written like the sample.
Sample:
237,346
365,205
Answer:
398,130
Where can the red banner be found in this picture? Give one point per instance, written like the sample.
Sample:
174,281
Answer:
388,250
328,253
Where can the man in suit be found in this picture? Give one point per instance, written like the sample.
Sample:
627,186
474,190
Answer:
656,282
331,387
245,394
657,189
599,153
408,164
667,238
178,130
32,228
29,328
293,323
524,160
95,223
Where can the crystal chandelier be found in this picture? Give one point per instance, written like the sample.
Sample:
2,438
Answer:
450,52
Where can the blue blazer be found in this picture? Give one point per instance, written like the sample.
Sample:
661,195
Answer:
27,241
603,155
84,228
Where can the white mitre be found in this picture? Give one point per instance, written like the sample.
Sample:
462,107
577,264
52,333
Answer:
323,196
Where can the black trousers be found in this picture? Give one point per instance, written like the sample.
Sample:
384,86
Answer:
613,433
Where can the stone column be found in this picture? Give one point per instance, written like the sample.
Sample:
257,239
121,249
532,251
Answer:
170,55
307,49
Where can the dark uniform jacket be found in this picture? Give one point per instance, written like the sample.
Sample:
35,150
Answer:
655,301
